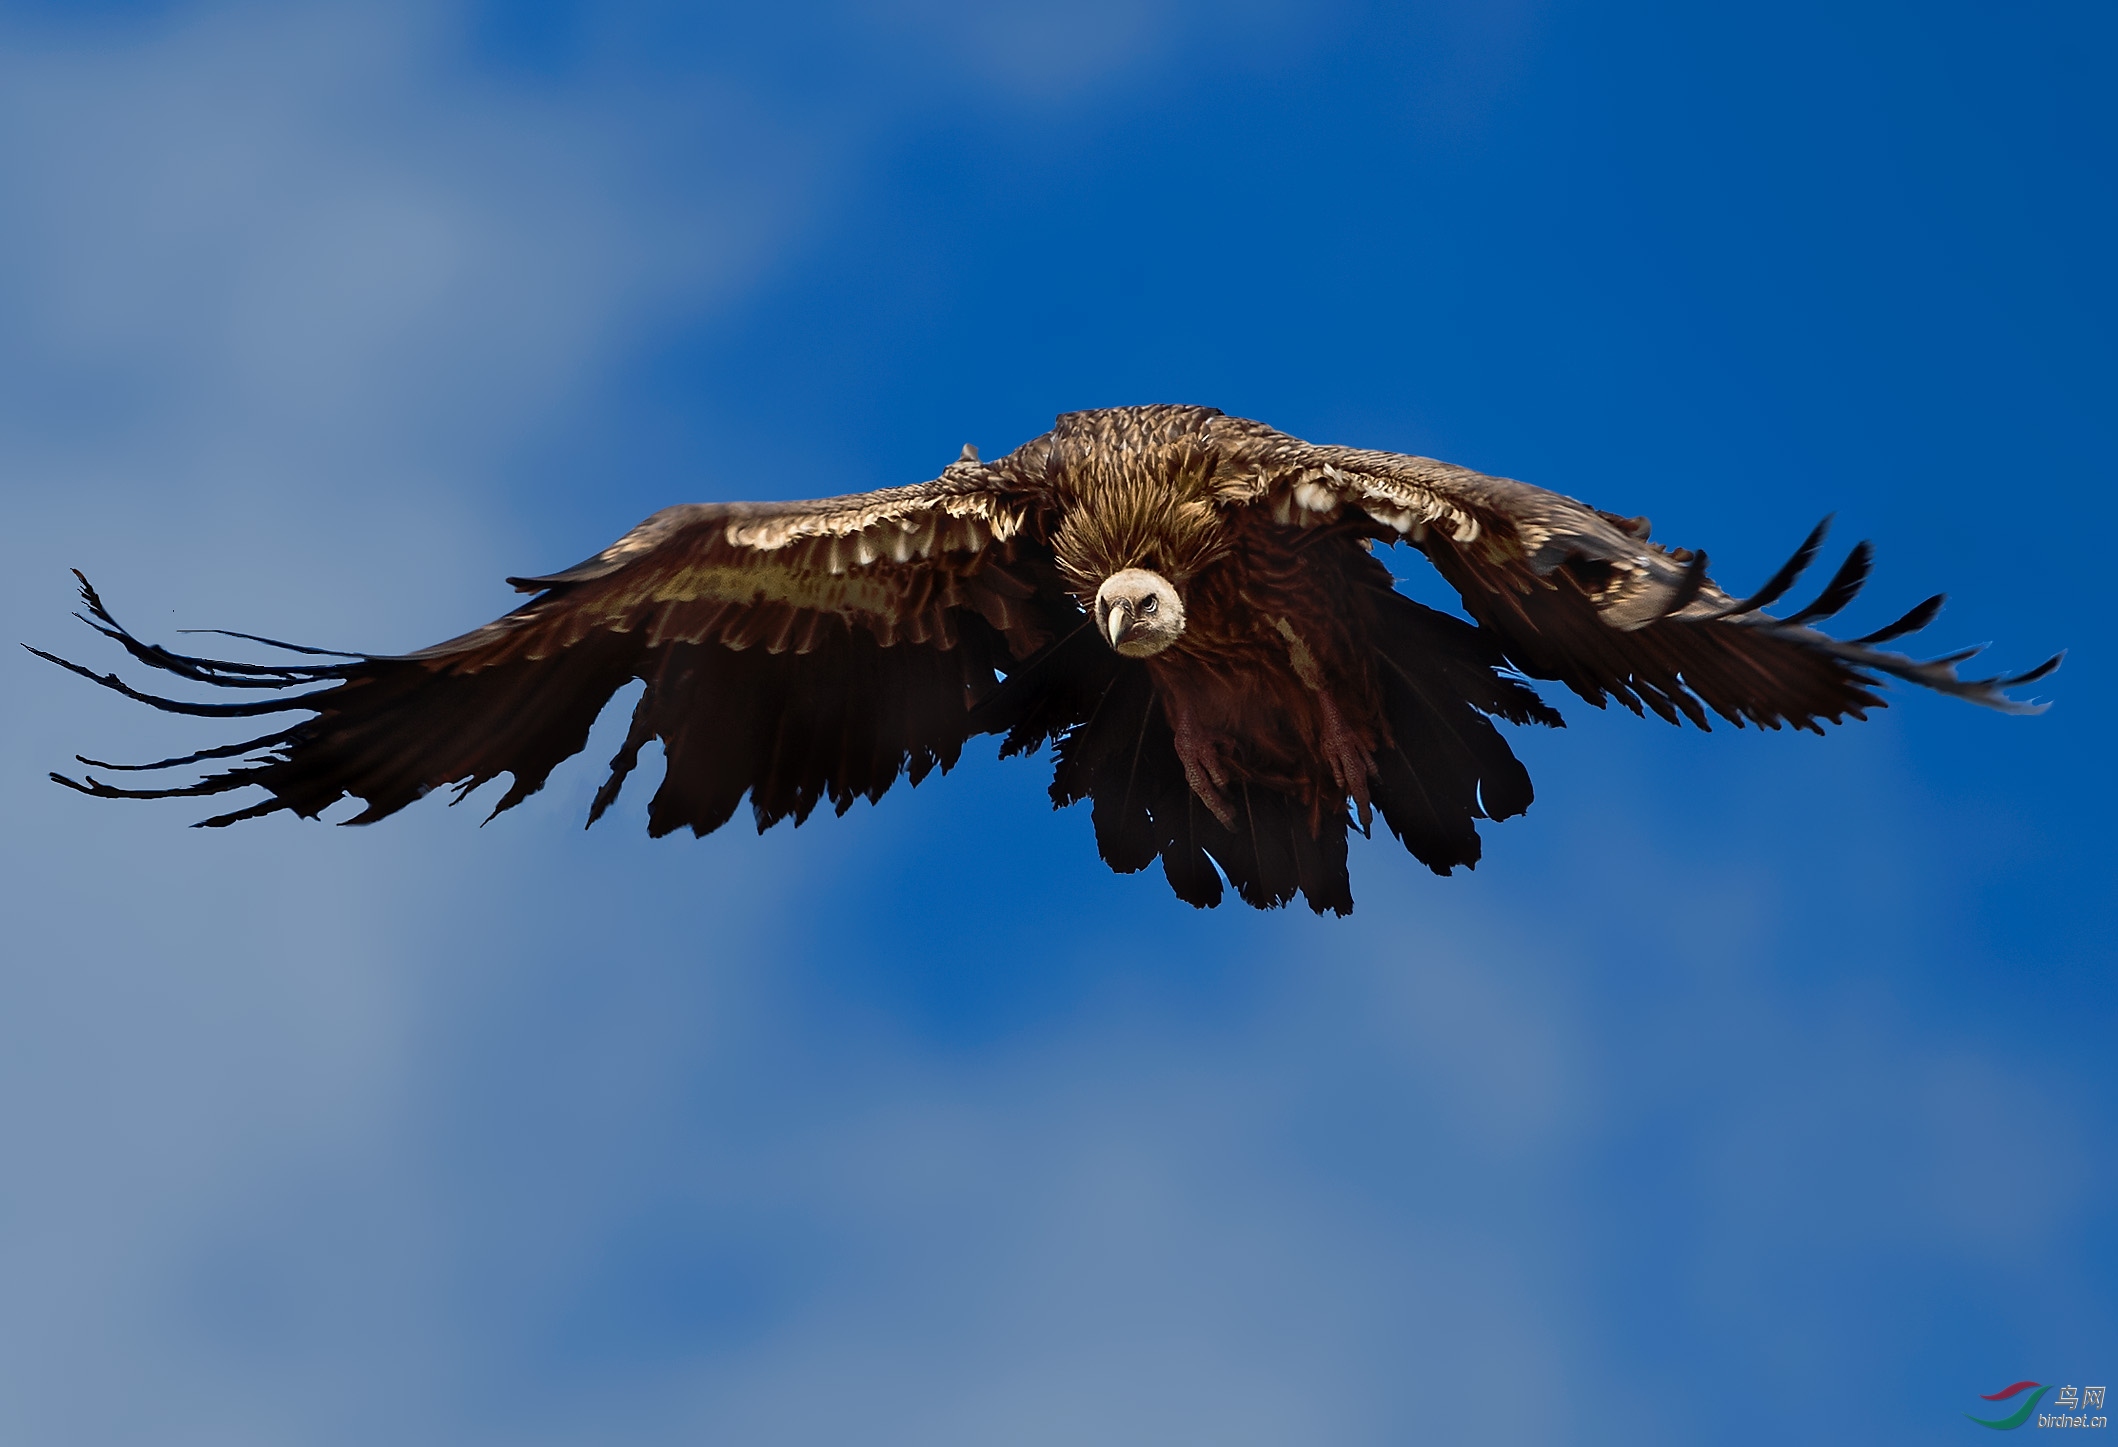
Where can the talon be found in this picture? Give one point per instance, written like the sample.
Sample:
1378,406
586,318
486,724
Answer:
1348,758
1203,769
1216,803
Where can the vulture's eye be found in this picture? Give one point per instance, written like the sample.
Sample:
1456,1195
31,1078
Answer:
1147,604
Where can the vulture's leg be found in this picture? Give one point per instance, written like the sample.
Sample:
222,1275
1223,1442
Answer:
1350,760
1203,769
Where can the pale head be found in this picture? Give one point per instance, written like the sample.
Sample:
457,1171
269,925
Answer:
1139,613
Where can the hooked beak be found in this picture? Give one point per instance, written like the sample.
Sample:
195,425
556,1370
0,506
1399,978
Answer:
1119,622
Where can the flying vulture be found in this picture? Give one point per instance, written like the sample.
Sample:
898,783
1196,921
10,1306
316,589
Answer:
1189,607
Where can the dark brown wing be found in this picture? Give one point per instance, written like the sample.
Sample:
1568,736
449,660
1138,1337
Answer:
1582,597
791,651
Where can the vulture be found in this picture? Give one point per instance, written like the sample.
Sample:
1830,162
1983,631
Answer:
1189,608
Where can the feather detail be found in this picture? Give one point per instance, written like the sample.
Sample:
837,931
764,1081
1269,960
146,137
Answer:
802,653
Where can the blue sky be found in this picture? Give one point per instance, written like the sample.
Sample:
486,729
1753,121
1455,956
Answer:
1755,1088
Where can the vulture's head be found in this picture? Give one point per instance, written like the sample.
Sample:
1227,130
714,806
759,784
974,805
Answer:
1139,613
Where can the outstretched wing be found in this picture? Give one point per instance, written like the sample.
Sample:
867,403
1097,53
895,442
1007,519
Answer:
791,651
1582,597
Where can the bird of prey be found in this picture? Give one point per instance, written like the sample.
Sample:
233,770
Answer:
1190,608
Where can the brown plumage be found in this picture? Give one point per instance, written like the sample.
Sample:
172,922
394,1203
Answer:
1186,606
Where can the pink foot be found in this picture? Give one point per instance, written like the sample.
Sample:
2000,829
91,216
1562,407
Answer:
1202,763
1351,763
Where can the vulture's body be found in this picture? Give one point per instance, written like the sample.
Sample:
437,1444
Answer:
1188,606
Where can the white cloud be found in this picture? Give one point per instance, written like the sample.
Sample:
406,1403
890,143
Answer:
1047,50
311,217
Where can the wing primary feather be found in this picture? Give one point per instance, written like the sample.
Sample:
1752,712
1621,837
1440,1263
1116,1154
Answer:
1940,674
276,643
1916,619
1842,588
1789,574
255,811
2032,675
218,672
170,705
214,671
91,785
225,751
